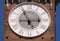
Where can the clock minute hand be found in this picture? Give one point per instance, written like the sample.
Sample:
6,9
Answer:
28,20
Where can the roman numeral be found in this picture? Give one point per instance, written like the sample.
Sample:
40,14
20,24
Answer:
42,26
43,13
21,31
29,7
44,20
15,26
13,20
37,32
29,33
15,13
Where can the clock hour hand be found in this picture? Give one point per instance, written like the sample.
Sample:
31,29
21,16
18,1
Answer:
32,20
35,20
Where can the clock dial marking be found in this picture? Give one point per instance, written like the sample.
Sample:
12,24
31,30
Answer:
15,26
43,13
44,20
34,7
42,26
13,20
21,31
15,13
29,33
29,7
37,32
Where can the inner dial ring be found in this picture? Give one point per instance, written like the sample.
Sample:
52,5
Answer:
29,19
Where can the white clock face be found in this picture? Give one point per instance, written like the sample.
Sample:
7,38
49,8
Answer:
29,19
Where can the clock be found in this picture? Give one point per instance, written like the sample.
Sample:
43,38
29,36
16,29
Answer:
29,19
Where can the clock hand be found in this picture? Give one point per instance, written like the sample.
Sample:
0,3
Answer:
28,20
32,20
31,26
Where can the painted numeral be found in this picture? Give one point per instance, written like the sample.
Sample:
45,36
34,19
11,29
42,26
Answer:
13,20
29,7
44,20
43,26
15,26
21,31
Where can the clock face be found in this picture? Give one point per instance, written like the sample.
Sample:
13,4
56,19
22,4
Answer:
29,19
